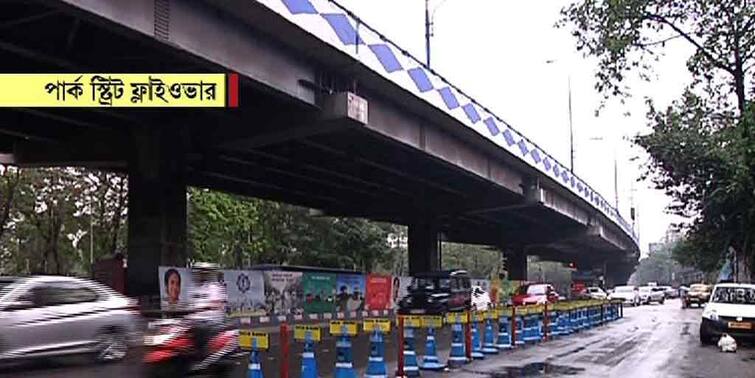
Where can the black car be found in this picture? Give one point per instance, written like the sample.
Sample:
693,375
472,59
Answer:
437,293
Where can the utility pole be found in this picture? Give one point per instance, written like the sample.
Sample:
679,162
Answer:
571,131
427,31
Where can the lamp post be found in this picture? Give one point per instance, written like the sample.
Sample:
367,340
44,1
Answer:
429,17
571,124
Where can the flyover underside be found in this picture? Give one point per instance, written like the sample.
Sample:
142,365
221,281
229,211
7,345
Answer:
272,147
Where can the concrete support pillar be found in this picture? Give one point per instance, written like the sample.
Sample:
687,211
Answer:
516,265
424,250
156,206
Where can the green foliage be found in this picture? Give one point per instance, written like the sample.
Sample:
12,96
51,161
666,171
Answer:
629,35
479,261
702,148
659,267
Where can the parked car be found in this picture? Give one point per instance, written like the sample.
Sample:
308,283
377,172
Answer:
539,293
46,316
629,294
731,310
697,294
438,293
670,292
595,292
480,299
650,294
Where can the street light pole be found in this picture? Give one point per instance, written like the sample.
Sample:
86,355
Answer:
427,31
571,131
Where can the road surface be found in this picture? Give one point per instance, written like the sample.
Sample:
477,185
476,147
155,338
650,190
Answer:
651,341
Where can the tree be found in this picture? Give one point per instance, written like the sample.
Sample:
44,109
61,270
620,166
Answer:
479,261
624,34
9,178
701,147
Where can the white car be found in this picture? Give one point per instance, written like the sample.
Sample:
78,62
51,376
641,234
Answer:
628,294
480,299
731,310
596,293
649,294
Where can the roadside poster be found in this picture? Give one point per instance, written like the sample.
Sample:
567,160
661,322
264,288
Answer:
350,292
283,292
399,289
175,286
319,292
246,292
378,292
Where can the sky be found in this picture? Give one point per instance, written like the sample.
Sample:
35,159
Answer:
498,53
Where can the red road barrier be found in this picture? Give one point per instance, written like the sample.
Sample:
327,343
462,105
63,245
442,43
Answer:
513,326
284,350
400,348
468,336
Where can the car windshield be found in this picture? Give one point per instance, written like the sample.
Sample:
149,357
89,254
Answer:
698,288
734,295
430,283
624,289
645,289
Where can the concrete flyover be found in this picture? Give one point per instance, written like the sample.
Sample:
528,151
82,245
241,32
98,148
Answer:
332,116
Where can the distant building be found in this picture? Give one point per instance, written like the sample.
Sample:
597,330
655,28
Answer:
654,248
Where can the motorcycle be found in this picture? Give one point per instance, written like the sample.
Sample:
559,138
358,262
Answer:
171,350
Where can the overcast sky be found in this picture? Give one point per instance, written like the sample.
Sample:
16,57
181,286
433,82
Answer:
496,51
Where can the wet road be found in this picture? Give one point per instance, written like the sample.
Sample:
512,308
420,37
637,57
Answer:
651,341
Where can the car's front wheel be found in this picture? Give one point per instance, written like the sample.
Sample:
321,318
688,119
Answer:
111,346
705,337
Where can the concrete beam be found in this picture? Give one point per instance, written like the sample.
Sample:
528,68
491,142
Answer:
217,37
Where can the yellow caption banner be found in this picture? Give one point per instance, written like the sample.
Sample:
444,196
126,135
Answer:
112,90
301,331
432,321
258,340
411,321
384,325
338,327
456,317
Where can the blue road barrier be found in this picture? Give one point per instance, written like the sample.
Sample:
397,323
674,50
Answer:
308,361
376,364
504,335
430,360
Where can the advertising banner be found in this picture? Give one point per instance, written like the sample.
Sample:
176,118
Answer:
246,292
350,292
175,286
283,292
319,292
399,289
378,292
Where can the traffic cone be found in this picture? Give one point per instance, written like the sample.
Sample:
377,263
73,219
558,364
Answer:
476,342
519,326
528,323
457,358
344,364
489,345
411,369
504,337
376,365
308,361
430,360
255,369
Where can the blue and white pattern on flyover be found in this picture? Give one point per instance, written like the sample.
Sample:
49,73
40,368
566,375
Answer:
340,28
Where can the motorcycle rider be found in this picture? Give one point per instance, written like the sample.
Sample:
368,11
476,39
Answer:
208,298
